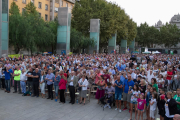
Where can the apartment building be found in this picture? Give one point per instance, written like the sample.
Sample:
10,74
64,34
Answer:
48,9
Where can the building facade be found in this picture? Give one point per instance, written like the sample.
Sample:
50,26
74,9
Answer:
4,27
175,20
48,9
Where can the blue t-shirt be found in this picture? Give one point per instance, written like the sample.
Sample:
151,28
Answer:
127,84
117,89
122,78
8,74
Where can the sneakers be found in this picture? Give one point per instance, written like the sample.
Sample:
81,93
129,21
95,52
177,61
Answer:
116,109
105,105
125,108
109,106
120,111
55,100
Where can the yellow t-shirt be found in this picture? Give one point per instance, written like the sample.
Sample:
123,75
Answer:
17,78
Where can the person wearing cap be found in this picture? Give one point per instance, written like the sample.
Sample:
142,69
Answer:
109,91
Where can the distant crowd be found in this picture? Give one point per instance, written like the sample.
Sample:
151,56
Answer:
144,82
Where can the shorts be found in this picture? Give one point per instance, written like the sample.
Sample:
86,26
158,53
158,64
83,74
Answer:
140,109
126,97
133,102
118,96
152,114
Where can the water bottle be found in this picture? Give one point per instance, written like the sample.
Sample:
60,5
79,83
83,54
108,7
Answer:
77,101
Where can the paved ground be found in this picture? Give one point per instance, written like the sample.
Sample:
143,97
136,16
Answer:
15,107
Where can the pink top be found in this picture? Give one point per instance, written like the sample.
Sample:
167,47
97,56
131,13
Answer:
141,103
96,79
62,84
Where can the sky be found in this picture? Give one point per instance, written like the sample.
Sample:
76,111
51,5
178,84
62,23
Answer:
150,11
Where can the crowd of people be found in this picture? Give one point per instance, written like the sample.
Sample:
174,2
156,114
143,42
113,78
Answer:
144,83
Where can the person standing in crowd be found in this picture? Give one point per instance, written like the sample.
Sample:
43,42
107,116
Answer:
83,84
23,79
49,79
170,107
142,86
8,72
153,81
148,97
56,80
177,98
128,85
0,75
30,81
16,75
72,81
36,80
100,89
153,104
141,105
118,92
62,86
160,103
134,96
42,83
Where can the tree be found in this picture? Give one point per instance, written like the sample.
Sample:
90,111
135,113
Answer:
78,41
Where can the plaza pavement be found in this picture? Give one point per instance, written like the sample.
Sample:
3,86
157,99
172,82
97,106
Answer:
14,106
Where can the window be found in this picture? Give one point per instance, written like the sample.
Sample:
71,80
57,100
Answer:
23,10
32,1
39,14
56,9
46,17
66,4
24,1
71,7
57,1
39,5
61,3
46,7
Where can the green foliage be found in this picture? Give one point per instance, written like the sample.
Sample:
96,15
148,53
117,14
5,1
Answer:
78,41
113,19
169,35
29,31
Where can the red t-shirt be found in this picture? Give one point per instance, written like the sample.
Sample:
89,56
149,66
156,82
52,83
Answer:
106,77
169,77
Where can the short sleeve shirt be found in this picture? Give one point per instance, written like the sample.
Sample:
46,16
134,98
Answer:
117,89
17,78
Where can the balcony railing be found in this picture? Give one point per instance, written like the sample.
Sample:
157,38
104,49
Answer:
71,1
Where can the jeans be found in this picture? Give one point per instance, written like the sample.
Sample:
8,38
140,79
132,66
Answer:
56,88
30,86
17,83
50,92
23,86
36,90
7,82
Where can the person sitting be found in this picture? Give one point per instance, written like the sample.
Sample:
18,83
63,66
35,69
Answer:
109,91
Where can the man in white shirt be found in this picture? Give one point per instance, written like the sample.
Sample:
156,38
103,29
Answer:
23,79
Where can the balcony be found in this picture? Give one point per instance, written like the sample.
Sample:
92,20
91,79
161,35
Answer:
71,1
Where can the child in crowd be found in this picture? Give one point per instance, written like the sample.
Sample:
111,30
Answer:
147,95
135,94
141,105
161,103
153,104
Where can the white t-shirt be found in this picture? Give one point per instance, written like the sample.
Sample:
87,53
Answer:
163,73
153,107
160,80
134,93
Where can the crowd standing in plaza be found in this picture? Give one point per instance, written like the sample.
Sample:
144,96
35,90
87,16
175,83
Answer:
145,83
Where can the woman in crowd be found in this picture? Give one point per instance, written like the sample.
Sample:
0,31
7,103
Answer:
142,86
56,80
154,84
83,84
100,89
177,99
42,83
148,97
160,81
161,103
62,87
